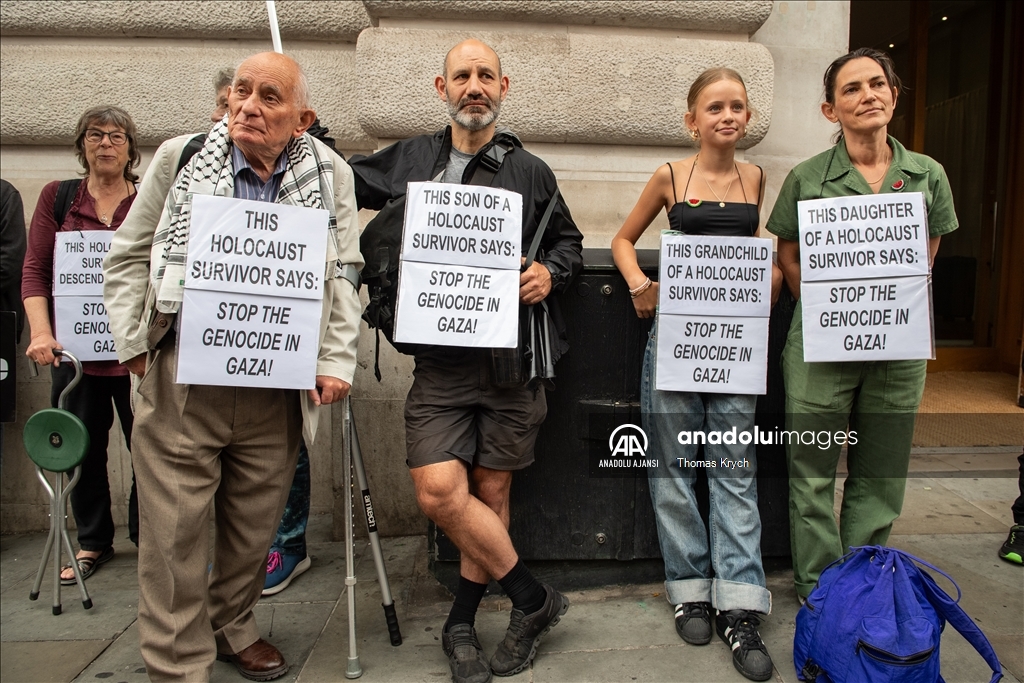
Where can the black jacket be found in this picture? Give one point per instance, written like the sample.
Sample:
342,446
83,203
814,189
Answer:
386,174
12,252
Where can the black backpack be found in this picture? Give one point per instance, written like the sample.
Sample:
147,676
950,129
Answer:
381,244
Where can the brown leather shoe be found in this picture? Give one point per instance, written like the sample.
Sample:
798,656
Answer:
261,661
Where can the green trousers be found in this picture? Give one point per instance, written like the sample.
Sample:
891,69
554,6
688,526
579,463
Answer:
876,402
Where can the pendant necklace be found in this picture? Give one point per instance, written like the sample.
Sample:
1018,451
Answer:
721,201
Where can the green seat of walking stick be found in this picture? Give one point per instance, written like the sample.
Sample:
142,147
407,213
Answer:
56,440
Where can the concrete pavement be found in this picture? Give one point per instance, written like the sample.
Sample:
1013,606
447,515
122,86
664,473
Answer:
956,516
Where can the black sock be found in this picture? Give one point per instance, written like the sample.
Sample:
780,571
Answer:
467,599
525,592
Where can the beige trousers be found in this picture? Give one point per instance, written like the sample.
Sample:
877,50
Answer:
193,445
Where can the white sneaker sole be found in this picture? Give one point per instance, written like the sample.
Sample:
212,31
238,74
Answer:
300,568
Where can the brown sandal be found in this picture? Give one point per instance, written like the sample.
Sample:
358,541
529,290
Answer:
87,566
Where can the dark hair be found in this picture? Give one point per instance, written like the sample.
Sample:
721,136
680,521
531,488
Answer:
832,72
106,115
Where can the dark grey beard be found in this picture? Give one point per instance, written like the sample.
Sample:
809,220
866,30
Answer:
474,122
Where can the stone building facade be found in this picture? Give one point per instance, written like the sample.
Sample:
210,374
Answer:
598,90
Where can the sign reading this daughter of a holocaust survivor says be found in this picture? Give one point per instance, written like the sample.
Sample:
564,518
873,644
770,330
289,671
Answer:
254,283
864,236
710,275
79,316
238,245
458,283
873,319
712,354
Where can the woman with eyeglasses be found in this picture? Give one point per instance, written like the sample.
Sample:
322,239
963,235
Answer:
106,143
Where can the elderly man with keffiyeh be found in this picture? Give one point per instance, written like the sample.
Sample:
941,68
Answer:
234,447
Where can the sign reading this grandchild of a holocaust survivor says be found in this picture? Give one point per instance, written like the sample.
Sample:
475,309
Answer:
79,316
865,284
714,300
254,283
458,283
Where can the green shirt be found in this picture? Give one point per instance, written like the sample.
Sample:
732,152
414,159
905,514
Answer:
831,174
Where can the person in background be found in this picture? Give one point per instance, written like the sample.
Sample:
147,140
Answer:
725,578
12,254
222,88
878,400
106,143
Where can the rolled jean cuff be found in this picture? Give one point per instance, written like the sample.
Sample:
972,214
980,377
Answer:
730,595
688,590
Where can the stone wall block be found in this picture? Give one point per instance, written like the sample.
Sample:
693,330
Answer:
298,19
403,63
167,90
565,87
632,90
714,15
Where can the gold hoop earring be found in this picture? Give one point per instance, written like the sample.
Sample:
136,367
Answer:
694,134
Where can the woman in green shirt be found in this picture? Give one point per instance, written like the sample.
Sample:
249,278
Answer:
876,399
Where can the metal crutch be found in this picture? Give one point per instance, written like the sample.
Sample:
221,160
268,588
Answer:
57,441
352,455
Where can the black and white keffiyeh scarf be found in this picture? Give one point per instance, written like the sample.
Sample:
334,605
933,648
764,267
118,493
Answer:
308,181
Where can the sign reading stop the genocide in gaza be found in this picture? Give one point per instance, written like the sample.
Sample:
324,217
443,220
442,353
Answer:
254,283
865,284
714,299
458,283
79,316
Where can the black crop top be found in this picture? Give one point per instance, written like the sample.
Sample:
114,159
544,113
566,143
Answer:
735,219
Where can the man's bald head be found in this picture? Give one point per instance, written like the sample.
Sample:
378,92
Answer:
473,47
287,68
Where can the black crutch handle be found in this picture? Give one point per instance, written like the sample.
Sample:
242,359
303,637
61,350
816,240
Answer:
392,619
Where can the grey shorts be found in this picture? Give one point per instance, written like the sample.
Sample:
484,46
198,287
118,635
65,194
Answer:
454,411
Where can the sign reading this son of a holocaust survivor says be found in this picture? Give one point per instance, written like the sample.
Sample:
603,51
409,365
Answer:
254,283
458,284
714,299
79,316
872,319
864,236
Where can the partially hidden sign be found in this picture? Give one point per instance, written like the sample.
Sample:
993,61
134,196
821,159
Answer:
79,315
458,282
254,284
865,278
714,299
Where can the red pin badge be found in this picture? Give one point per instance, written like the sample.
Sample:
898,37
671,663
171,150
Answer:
694,202
898,185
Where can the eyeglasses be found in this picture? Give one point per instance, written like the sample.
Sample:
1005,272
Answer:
96,136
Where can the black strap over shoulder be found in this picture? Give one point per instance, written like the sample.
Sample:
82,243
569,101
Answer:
66,191
189,151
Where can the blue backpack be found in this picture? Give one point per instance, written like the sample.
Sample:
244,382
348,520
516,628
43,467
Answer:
875,617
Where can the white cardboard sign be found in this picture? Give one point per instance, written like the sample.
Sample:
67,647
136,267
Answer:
876,319
451,305
467,225
82,327
78,262
864,236
722,355
231,339
713,275
238,245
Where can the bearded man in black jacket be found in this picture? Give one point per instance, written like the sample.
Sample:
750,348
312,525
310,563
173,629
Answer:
465,435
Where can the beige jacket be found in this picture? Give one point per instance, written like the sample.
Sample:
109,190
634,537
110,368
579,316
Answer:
128,291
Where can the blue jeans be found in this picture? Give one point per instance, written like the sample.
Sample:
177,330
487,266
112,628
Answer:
291,533
734,552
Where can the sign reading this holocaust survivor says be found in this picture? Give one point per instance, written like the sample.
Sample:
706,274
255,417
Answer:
458,283
254,283
876,319
238,245
79,316
714,299
875,235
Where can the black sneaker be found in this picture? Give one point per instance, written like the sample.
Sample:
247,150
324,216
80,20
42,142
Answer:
1013,549
517,650
465,656
693,622
738,628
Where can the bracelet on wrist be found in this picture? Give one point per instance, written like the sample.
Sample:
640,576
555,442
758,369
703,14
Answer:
634,293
